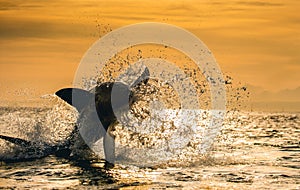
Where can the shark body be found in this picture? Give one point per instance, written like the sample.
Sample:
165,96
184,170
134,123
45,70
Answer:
100,99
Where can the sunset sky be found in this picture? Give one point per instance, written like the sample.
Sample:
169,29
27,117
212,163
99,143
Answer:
42,42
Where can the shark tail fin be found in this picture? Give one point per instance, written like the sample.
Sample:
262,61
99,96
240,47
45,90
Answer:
17,141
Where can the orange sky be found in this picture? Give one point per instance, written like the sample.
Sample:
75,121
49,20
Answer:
42,42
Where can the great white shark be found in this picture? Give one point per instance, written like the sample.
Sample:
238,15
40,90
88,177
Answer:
100,99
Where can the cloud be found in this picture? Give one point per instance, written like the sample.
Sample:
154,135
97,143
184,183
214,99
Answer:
26,28
8,5
259,3
17,5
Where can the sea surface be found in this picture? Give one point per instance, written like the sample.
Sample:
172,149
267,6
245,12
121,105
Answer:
254,150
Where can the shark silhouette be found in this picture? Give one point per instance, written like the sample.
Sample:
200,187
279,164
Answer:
105,106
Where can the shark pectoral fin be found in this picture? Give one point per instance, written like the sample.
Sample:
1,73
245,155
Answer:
17,141
109,148
76,97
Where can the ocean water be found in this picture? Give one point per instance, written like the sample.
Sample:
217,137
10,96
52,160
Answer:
253,150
